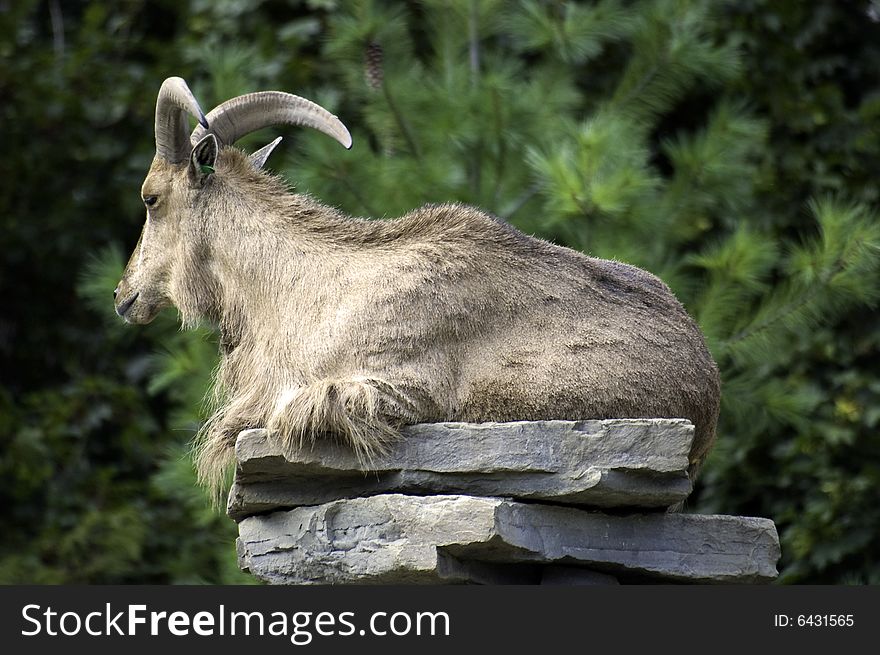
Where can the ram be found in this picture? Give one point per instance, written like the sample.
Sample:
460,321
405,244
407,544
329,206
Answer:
349,328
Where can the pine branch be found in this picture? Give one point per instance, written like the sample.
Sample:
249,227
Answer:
649,76
501,142
474,44
800,304
352,189
402,123
521,201
787,310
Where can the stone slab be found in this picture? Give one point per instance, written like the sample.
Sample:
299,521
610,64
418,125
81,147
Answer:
398,539
599,463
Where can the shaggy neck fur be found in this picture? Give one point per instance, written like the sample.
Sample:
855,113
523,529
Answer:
267,279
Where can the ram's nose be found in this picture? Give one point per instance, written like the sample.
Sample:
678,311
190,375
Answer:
126,305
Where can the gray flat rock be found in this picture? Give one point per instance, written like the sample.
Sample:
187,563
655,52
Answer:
599,463
398,539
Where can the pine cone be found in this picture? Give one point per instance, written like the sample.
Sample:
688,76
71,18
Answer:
373,73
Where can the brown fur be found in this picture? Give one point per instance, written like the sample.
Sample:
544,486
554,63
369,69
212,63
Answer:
340,326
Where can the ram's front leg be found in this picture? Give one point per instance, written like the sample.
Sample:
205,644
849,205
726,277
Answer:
364,413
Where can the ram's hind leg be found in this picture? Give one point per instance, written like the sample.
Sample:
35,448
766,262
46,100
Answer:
364,413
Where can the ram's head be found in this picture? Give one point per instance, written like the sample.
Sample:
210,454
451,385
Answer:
172,247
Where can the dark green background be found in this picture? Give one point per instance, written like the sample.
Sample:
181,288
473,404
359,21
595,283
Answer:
730,147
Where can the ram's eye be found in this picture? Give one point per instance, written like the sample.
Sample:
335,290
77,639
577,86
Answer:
149,201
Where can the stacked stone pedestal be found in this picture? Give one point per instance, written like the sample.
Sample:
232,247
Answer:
546,502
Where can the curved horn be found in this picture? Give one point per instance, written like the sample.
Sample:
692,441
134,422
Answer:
174,102
245,114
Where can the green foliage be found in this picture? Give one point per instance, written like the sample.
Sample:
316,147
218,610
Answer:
730,148
85,447
827,274
672,51
573,33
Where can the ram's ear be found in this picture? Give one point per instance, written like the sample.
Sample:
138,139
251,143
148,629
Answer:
258,159
203,159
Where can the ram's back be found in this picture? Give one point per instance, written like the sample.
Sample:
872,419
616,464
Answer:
503,326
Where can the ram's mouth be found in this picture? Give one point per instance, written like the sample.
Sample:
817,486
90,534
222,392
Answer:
126,305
